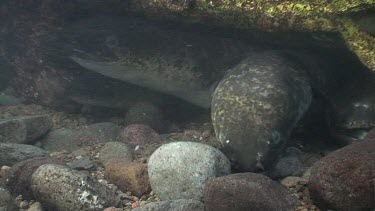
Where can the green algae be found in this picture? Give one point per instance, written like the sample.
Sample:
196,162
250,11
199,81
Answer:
271,16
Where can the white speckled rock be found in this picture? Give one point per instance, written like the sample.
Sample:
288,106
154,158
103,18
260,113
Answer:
61,188
180,170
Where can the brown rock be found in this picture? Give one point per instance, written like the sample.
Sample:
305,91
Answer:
345,179
128,176
246,191
139,135
18,178
145,113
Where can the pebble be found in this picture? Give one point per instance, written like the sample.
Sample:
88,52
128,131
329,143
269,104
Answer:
36,206
292,181
82,163
24,205
135,205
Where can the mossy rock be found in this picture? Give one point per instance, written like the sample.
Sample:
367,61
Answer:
275,16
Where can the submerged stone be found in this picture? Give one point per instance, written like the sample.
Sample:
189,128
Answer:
60,188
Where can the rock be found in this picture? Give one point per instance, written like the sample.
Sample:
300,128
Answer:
6,200
7,73
80,152
286,166
139,135
18,178
145,113
11,154
246,191
24,130
23,205
115,151
82,164
180,170
370,135
70,140
9,100
344,179
293,181
60,188
61,139
128,176
366,23
36,206
173,205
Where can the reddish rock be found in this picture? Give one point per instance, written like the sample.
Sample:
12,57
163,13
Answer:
246,191
18,178
128,176
345,179
139,135
145,113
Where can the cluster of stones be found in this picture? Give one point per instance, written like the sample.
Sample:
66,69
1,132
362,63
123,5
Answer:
183,175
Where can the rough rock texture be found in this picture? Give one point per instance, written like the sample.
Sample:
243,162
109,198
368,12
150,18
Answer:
139,135
145,113
300,15
128,176
68,139
344,180
60,188
24,130
115,151
83,163
180,170
286,166
293,181
173,205
18,178
36,206
6,200
11,154
246,191
370,135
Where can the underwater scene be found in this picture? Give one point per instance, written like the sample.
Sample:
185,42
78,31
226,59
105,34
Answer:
187,105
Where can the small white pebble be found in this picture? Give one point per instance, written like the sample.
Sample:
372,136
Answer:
136,147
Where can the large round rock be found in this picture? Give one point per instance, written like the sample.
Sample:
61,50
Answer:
255,107
180,170
18,178
345,179
247,191
60,188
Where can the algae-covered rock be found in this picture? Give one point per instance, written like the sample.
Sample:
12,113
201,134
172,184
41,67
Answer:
295,15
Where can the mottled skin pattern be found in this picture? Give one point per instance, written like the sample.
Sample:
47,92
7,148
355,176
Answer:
255,107
180,63
260,96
